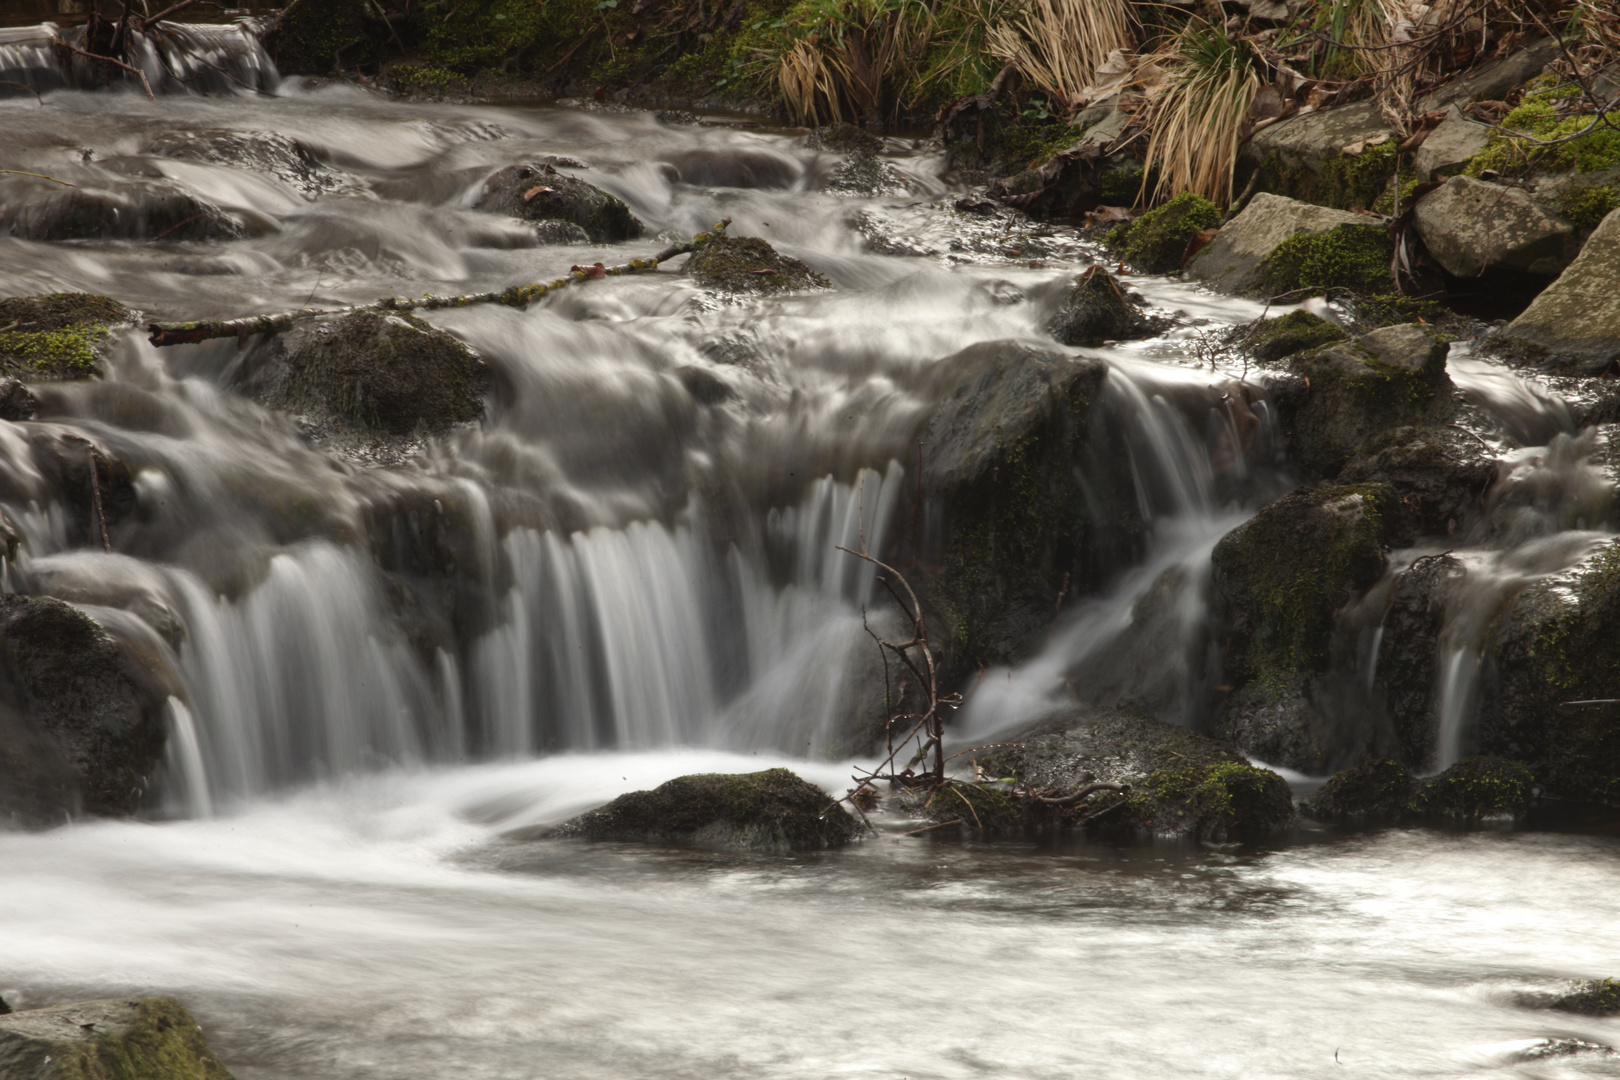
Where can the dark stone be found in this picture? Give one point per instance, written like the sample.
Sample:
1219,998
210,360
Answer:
127,210
1440,474
1408,653
1589,997
1156,242
843,139
56,336
1476,789
112,1039
1096,310
1275,339
705,386
736,168
64,460
556,197
16,402
257,151
747,264
773,810
1278,722
78,690
1374,792
866,175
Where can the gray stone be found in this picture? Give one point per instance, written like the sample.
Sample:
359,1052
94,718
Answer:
1309,140
34,209
1578,315
1450,145
1490,81
1231,262
537,192
110,1039
1470,226
1096,310
1277,725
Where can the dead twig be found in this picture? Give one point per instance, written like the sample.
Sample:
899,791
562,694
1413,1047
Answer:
135,71
42,176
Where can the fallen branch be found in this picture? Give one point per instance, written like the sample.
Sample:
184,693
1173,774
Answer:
185,333
40,175
135,71
1078,796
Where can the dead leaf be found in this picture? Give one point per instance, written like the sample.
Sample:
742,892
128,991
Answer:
764,272
1198,243
592,272
538,189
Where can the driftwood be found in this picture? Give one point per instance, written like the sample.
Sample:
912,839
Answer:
184,333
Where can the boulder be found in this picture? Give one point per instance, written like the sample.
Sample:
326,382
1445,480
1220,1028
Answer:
1341,157
1470,227
1096,310
371,374
1476,789
1374,792
110,1039
1492,79
1232,262
1441,475
1156,242
841,138
747,264
16,401
1295,332
1277,722
256,151
1023,496
33,209
773,811
57,336
1577,317
537,192
1559,640
1587,997
865,175
1448,147
92,708
1356,391
1407,664
1182,784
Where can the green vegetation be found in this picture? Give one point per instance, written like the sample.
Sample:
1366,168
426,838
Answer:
1475,789
1378,790
57,336
1155,242
1591,997
1539,116
162,1042
1292,333
1209,802
1585,206
1354,257
749,264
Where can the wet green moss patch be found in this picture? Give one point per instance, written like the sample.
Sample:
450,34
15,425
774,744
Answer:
57,336
1292,333
1372,792
1155,242
1354,257
747,264
1476,789
1208,802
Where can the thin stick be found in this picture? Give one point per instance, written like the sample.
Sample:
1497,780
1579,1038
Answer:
25,86
137,72
42,176
931,828
95,503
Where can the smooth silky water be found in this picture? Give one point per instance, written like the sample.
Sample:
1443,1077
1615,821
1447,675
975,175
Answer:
327,884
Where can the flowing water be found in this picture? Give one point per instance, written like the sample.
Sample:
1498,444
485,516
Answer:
377,672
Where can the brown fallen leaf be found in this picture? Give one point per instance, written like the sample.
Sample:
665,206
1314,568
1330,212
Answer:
767,270
592,272
538,189
1200,240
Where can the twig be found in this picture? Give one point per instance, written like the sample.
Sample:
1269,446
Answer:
1078,796
931,828
137,72
42,176
25,86
95,502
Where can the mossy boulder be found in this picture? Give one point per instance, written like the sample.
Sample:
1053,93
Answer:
1408,660
90,709
1024,500
255,151
57,336
1558,641
1284,573
747,264
1348,256
33,209
1231,800
1236,260
1156,242
772,811
1278,721
1374,792
372,374
537,192
843,138
1441,475
1295,332
1589,997
1575,321
1097,310
154,1038
976,810
1476,789
1339,157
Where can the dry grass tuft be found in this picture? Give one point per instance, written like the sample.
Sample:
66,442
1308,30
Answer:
1197,121
1058,44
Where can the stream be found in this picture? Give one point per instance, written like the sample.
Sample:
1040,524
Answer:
640,586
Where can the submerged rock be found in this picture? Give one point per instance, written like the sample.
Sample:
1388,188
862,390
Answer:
152,1038
537,192
1588,997
773,810
258,151
57,336
1295,332
373,374
866,175
1156,242
749,264
1470,227
1234,261
1374,792
129,210
1097,310
1441,475
1577,318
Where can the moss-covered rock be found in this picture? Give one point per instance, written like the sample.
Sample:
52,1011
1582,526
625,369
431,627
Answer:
773,810
843,138
1156,242
1407,664
747,264
1348,256
1440,474
1096,310
978,810
1276,721
1586,205
1297,331
1476,789
1340,157
373,373
34,209
1373,792
1213,802
1236,260
1284,572
1589,997
58,335
152,1038
537,192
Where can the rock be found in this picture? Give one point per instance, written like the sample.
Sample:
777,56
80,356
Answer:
57,336
1275,721
773,811
16,402
1374,792
1558,640
1476,789
87,703
1356,391
983,810
1342,156
257,151
1547,1049
843,139
1182,784
747,264
372,373
537,192
1283,573
1470,226
1017,472
1589,997
1491,80
63,459
1448,147
111,1039
1232,261
866,175
735,167
1276,339
1440,474
33,209
1578,316
553,233
1096,311
1156,242
1409,654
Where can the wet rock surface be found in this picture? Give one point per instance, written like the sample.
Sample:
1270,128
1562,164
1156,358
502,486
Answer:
1232,262
1096,310
56,336
33,209
1476,790
1470,226
1409,653
866,175
109,1039
1440,473
1374,792
772,811
537,192
261,151
1296,332
748,264
1576,320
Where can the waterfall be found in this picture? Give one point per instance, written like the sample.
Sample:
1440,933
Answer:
198,58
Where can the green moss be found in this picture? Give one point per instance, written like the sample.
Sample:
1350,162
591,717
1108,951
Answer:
1354,257
1475,789
1292,333
1586,206
162,1043
321,36
57,336
1539,116
1591,997
981,808
749,264
1210,802
1155,242
421,79
1027,142
1345,181
1378,790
